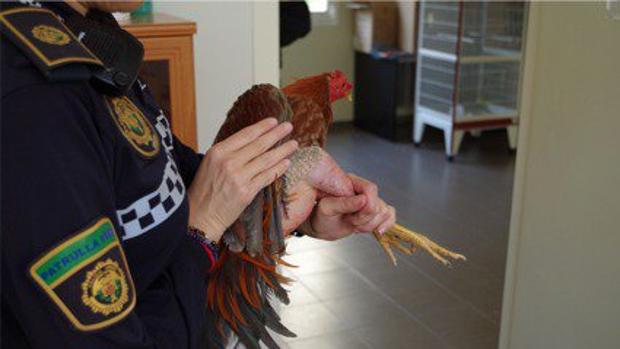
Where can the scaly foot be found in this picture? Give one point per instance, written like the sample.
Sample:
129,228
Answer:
408,241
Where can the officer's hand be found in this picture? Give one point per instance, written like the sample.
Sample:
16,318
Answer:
233,171
338,217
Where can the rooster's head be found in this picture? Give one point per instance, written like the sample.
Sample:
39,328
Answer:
339,87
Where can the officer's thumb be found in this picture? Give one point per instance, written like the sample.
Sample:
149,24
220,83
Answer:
332,206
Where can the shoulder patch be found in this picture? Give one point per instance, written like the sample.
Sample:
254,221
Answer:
134,126
87,277
44,39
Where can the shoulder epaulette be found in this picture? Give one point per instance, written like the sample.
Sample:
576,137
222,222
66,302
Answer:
45,40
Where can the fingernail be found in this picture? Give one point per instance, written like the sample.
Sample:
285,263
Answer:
382,231
295,143
272,121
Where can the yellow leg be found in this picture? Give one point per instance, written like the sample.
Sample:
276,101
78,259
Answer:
408,241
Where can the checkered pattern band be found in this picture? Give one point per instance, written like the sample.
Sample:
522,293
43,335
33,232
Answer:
163,128
154,208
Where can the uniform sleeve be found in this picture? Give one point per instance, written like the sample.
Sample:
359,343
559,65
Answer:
65,279
188,161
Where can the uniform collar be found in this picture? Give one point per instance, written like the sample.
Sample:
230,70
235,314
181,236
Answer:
60,8
97,30
120,52
64,11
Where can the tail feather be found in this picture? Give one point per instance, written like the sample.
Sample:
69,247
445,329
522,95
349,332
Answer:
270,217
251,297
241,284
215,339
273,321
234,237
266,316
252,219
249,339
277,244
275,287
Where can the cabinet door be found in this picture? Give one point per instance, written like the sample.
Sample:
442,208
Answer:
168,69
156,74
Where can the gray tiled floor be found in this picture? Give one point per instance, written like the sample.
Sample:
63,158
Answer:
347,294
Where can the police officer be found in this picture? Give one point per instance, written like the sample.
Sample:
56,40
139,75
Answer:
98,195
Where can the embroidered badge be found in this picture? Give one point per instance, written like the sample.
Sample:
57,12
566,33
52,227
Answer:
105,289
50,35
87,277
46,41
134,126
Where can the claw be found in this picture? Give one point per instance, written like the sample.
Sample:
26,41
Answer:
386,247
408,241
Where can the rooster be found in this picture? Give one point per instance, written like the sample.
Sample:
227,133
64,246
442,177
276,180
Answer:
245,278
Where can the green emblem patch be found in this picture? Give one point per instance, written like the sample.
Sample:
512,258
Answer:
50,35
87,277
134,126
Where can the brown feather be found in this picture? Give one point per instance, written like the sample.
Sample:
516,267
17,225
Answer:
315,88
310,126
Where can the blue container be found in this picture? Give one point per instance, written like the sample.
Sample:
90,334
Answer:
145,9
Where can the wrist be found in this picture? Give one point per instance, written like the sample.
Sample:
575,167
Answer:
209,230
213,231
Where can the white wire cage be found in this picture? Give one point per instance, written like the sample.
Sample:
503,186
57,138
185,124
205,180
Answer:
468,72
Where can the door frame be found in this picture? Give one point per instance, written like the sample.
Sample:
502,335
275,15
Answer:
514,235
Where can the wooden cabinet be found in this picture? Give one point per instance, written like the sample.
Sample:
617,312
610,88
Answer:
168,68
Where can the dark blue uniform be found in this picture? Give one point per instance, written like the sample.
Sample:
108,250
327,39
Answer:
94,202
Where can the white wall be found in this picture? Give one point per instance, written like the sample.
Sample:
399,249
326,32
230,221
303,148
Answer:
266,43
563,276
235,47
325,48
407,25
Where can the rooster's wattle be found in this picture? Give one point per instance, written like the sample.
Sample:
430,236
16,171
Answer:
246,278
